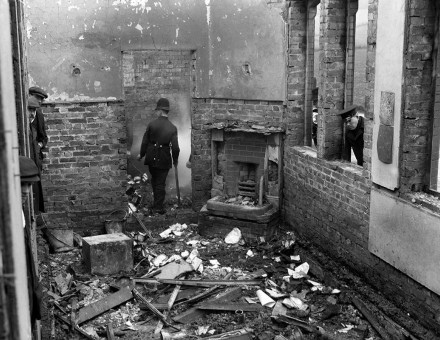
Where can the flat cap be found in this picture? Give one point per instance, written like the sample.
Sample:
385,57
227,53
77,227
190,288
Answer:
28,170
163,104
347,112
33,103
37,91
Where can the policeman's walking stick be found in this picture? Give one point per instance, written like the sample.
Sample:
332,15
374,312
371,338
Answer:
177,184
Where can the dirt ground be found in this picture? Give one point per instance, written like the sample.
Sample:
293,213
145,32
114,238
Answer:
328,290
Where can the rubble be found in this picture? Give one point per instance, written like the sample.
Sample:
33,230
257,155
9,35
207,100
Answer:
269,295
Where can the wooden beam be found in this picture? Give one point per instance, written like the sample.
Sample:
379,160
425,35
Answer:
201,283
94,309
232,307
371,318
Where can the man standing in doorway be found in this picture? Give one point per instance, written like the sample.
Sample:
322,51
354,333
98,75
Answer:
161,150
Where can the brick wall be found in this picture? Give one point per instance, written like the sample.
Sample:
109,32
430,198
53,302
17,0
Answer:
243,148
338,218
149,75
85,166
205,113
418,94
296,72
310,74
352,7
327,202
332,42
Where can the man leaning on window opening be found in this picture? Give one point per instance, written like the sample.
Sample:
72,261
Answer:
354,133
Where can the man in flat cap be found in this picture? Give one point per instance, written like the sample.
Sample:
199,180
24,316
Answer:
160,147
354,133
40,95
29,175
33,106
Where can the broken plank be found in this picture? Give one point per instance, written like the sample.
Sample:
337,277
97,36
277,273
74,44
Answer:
183,295
153,309
74,308
189,315
201,296
158,306
94,309
195,313
209,292
293,321
245,307
173,297
371,318
77,328
229,295
198,283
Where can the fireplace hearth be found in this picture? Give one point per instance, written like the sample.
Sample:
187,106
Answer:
246,183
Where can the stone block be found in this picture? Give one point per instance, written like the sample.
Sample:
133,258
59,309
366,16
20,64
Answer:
108,254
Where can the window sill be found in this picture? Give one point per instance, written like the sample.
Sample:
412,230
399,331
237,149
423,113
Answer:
425,200
337,165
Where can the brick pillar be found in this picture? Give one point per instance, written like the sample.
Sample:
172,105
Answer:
332,44
310,64
296,72
350,54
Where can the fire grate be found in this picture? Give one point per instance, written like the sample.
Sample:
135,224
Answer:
247,188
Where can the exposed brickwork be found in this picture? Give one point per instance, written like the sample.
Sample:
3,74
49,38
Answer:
351,47
151,74
310,75
205,113
418,94
85,166
337,220
296,72
332,42
243,148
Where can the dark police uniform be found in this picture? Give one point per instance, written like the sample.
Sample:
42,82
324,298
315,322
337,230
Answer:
161,150
354,139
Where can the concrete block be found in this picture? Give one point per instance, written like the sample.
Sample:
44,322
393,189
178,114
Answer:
108,254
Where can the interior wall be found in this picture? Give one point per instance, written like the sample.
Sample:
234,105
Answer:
75,48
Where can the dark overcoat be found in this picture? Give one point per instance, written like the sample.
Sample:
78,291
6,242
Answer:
160,145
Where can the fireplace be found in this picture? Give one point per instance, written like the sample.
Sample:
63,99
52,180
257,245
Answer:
246,179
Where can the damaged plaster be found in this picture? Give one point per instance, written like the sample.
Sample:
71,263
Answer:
225,34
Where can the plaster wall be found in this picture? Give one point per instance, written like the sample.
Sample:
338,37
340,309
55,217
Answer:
405,236
240,44
389,78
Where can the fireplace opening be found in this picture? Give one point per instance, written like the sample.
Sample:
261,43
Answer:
247,184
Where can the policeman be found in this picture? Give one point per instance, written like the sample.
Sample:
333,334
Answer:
161,150
354,133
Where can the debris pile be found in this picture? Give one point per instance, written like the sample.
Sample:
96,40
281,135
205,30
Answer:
183,286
